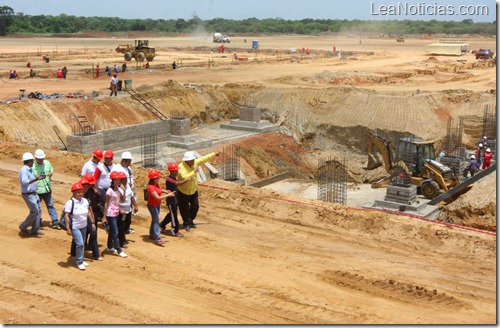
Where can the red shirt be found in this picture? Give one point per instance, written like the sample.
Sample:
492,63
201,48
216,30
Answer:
151,200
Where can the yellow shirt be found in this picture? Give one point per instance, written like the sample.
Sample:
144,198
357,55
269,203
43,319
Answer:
186,171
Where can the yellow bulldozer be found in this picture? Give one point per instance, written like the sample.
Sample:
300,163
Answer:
140,51
417,164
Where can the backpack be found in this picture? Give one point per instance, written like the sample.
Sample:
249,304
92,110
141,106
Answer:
62,222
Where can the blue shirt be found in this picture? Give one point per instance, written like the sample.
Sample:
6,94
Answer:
25,176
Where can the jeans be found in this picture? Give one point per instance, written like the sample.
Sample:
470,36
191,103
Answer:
188,206
78,234
113,233
122,221
94,246
154,229
32,219
47,198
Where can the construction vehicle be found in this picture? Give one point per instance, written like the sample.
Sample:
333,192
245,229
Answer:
219,38
417,164
400,38
140,51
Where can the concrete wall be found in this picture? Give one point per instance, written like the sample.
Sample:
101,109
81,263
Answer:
118,138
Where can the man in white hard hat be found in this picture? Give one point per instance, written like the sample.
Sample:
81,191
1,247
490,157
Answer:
43,169
188,192
27,180
124,167
472,167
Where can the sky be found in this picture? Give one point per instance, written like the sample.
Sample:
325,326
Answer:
477,10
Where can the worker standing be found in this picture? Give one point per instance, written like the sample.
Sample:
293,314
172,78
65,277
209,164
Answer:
113,85
43,169
97,71
64,72
28,190
479,154
188,192
124,67
487,158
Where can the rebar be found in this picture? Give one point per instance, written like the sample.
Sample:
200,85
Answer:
453,141
332,180
149,143
231,163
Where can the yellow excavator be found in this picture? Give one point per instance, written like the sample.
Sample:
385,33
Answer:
417,164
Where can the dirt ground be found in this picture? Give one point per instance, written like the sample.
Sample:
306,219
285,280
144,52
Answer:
258,256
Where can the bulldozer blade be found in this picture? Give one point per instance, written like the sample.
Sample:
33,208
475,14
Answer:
374,161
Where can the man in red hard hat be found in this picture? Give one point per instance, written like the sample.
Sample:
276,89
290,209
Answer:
91,165
102,174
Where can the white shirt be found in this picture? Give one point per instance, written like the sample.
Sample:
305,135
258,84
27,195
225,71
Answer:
104,181
130,176
126,206
80,211
89,167
114,80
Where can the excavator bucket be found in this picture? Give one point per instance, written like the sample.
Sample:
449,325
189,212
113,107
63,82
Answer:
374,161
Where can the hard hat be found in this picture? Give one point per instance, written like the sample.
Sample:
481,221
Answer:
473,157
488,150
153,174
189,156
126,155
109,154
39,154
173,167
401,175
114,74
27,157
90,178
76,186
115,175
485,138
122,175
83,181
480,145
98,154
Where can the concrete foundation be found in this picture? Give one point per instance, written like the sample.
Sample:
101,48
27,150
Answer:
250,120
402,194
261,127
180,126
191,141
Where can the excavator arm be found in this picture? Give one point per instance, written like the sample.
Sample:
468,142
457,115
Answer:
377,142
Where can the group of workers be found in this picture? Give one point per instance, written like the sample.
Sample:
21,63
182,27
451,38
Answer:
481,159
106,193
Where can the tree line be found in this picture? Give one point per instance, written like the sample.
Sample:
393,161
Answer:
18,23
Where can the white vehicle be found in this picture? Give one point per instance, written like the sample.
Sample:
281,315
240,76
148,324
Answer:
219,38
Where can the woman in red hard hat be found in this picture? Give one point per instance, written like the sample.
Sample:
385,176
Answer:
94,198
102,176
114,195
154,197
76,212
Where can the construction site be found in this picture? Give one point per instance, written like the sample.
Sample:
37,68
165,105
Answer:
338,196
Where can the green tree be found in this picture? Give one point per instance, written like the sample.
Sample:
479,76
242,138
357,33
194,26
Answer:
6,13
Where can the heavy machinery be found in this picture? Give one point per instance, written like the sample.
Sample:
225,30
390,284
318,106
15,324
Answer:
219,38
140,51
417,164
400,38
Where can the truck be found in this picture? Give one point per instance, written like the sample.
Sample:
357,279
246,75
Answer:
484,54
140,51
220,38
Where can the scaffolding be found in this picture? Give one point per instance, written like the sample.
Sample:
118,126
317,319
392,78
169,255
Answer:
149,144
332,180
453,146
230,163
